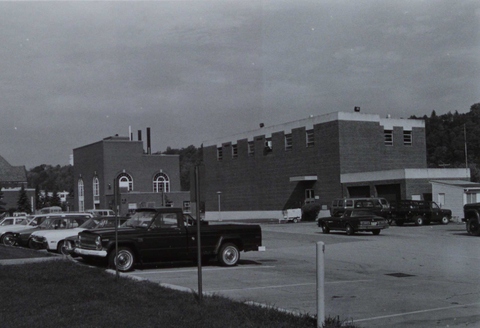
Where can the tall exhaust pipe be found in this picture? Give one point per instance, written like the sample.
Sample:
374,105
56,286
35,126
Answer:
149,146
139,135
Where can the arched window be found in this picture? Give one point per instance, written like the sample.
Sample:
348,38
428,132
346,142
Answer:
81,198
125,181
96,191
161,183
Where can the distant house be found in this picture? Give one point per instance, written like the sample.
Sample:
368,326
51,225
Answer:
453,194
12,178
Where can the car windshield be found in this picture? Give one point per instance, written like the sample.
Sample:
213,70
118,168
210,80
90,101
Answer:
105,223
90,223
6,222
361,213
140,219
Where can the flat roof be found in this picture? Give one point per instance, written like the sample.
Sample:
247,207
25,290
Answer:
308,123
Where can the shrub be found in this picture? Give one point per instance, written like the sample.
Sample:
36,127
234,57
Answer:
310,211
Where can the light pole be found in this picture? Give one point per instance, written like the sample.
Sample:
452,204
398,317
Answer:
219,194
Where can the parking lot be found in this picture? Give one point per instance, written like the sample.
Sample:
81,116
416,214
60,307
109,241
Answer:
407,276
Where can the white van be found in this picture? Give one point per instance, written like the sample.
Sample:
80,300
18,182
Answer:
101,212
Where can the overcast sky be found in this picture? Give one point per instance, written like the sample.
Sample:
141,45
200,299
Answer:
73,73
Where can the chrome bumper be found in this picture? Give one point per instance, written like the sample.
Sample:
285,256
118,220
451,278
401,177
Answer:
90,252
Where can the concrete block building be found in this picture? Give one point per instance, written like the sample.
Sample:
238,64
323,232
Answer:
144,179
259,173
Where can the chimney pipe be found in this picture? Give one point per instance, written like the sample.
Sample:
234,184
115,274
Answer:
139,135
149,147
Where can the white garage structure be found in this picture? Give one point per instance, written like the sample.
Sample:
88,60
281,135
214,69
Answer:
453,194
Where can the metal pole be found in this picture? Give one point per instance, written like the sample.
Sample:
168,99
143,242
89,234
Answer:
116,201
320,283
219,193
199,244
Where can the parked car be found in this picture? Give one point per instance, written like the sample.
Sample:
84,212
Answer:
352,221
419,212
164,234
54,240
12,220
471,214
52,222
379,206
7,238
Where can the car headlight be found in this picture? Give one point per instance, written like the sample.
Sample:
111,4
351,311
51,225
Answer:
98,242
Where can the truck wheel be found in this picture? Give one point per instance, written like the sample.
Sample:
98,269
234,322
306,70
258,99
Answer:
445,220
8,240
349,230
325,228
419,220
473,228
124,261
229,254
295,220
376,232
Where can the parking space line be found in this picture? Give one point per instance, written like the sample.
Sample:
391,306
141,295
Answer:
292,285
159,271
417,312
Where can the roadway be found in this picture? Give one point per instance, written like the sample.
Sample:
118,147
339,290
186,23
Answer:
405,277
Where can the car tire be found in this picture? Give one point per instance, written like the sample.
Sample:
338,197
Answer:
325,228
419,220
295,220
349,230
376,232
124,260
229,255
8,240
473,228
31,244
445,220
61,248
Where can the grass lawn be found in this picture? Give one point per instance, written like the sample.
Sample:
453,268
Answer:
67,294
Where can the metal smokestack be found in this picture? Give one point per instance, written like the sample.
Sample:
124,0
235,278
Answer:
149,146
139,135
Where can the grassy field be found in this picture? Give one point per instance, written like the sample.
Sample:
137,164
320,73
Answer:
67,294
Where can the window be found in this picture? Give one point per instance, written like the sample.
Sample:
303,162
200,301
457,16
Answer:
288,141
407,138
388,137
186,207
161,183
96,191
471,197
310,138
125,181
268,145
81,197
234,151
219,154
165,220
441,199
251,148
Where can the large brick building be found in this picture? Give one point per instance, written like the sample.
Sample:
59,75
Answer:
12,179
260,173
145,179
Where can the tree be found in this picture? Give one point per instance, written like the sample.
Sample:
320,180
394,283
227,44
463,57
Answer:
23,204
2,203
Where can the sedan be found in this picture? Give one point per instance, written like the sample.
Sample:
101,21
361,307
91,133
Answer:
352,221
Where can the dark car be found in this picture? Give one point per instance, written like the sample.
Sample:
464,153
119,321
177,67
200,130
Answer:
55,221
352,221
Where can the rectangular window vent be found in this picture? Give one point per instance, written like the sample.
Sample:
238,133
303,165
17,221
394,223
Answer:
310,138
407,138
288,141
388,137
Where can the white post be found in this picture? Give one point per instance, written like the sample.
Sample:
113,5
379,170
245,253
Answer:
320,284
219,193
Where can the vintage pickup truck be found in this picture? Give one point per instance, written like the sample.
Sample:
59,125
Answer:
166,234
